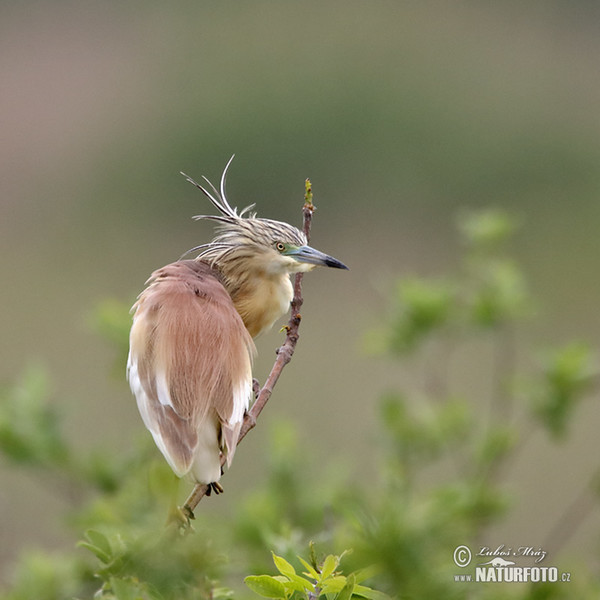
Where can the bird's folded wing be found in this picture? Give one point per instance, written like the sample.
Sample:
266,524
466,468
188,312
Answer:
190,360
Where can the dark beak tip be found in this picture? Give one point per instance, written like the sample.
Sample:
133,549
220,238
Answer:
335,264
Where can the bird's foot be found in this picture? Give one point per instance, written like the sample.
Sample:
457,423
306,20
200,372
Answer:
180,518
255,388
215,487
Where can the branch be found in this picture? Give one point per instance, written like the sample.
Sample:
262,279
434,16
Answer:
284,355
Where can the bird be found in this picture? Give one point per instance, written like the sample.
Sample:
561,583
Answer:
191,343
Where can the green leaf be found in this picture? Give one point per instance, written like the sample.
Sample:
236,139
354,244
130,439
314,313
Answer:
99,539
124,589
266,586
568,374
346,591
96,551
330,564
311,571
334,584
283,566
313,555
365,592
222,594
295,582
98,544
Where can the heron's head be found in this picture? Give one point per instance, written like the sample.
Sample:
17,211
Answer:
271,246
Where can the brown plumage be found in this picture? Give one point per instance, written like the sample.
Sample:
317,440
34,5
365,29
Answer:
183,320
191,345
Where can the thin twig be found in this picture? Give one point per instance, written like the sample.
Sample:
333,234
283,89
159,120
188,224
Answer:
284,355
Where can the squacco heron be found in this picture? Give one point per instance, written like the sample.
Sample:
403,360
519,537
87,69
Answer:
191,342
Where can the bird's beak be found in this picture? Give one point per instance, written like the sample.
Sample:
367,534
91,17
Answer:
306,254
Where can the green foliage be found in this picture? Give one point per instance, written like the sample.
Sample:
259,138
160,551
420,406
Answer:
284,514
30,436
422,307
568,374
486,231
29,431
436,433
492,285
488,291
46,576
317,581
439,480
151,563
112,321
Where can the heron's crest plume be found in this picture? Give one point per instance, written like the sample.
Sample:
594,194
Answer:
237,233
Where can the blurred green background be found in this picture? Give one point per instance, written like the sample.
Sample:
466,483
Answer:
401,114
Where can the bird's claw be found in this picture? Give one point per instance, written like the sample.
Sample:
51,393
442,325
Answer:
215,487
181,517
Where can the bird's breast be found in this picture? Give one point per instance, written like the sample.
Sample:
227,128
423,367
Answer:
263,302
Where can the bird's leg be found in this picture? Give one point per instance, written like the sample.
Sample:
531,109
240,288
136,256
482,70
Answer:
186,512
180,517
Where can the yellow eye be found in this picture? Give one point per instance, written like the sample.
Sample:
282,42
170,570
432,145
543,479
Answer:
280,246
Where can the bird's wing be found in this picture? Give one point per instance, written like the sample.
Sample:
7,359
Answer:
189,362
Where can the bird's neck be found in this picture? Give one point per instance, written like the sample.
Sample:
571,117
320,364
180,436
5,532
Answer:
260,297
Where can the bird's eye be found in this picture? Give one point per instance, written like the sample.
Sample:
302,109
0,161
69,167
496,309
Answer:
280,246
